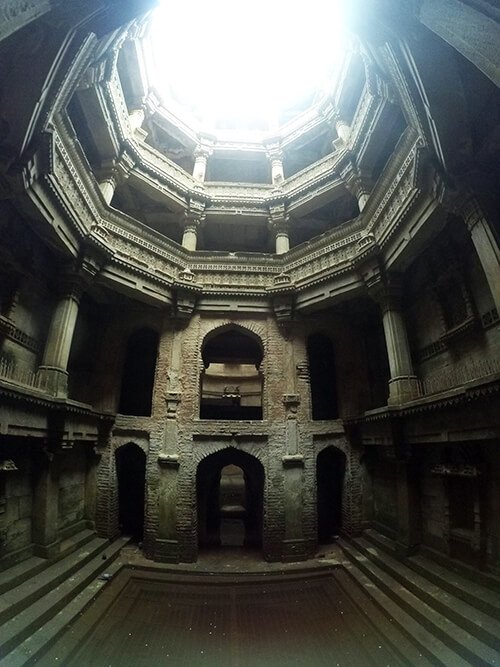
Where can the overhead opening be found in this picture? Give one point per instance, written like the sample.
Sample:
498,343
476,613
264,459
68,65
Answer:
239,72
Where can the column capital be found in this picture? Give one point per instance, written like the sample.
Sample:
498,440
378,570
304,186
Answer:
193,220
358,181
387,291
470,210
202,152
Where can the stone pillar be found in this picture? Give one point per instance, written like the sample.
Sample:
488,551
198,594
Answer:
107,187
343,129
360,185
46,505
93,458
279,223
136,119
167,543
485,244
52,374
403,384
190,235
408,499
294,546
201,156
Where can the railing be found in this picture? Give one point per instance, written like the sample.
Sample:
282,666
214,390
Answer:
449,378
17,374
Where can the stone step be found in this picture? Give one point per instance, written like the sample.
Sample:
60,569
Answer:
381,541
479,624
44,640
459,640
34,629
353,582
485,579
480,589
477,595
15,575
16,599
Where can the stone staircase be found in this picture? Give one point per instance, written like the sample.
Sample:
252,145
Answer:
39,598
450,618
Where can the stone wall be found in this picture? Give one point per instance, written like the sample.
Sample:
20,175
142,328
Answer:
16,500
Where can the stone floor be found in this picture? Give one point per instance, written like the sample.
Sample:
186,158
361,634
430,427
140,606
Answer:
228,609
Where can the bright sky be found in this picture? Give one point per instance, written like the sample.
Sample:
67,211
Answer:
225,59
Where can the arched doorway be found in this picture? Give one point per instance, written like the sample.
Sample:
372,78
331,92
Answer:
131,475
330,471
230,491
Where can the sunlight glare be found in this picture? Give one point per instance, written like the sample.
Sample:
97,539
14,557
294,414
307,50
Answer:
224,60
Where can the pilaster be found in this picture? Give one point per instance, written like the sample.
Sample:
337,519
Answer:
46,504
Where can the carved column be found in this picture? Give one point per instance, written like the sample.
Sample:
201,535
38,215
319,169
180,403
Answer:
485,244
357,181
279,223
275,157
343,129
201,155
53,374
403,384
136,118
190,236
108,179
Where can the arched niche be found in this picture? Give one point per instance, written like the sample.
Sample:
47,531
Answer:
231,383
138,373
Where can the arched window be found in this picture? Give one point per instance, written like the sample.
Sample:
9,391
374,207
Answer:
231,382
138,373
323,377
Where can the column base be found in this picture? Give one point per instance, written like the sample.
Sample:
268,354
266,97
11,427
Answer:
403,549
53,380
166,551
402,389
47,550
295,550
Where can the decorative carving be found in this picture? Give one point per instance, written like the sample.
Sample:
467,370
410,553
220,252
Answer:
449,470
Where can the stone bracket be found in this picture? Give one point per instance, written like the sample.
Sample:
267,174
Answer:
168,460
293,461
